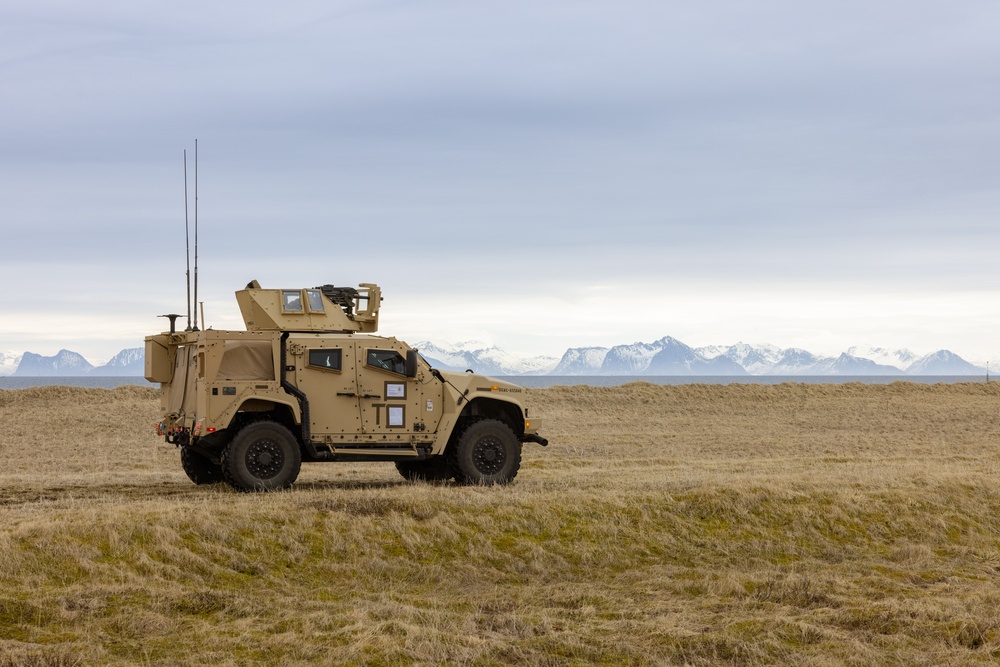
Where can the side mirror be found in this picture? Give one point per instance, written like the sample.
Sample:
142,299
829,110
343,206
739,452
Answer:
411,363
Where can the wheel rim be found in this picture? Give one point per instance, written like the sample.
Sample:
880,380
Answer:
265,459
489,455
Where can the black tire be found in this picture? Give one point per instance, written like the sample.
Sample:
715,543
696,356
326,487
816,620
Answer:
263,456
199,468
485,452
434,469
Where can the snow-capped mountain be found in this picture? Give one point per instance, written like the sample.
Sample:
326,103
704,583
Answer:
632,359
450,355
943,362
847,364
676,358
64,363
743,359
794,361
128,362
754,359
9,362
901,358
581,361
668,356
489,360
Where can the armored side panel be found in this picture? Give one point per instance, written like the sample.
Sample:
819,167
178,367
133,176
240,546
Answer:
159,363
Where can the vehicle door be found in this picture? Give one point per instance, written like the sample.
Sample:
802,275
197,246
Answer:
390,402
326,373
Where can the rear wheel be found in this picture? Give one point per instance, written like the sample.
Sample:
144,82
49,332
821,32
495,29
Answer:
435,469
485,452
199,468
263,456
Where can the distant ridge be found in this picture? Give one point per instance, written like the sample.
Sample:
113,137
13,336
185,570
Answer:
943,362
9,362
633,359
666,356
580,361
484,358
64,363
847,364
676,358
129,362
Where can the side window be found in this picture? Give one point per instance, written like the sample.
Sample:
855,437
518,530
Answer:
326,359
387,360
315,298
291,301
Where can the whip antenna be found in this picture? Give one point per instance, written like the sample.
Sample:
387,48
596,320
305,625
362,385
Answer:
187,240
196,232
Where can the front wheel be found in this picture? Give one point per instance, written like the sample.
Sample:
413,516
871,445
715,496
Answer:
486,452
263,456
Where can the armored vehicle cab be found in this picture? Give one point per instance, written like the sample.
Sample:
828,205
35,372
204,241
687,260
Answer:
309,380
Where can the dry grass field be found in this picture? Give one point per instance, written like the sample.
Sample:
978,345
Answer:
665,525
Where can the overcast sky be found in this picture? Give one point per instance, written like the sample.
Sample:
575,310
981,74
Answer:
536,175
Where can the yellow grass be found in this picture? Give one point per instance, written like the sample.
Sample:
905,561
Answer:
687,525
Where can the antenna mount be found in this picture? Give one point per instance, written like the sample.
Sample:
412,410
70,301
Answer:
173,321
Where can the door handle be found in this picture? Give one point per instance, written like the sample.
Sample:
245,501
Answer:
346,393
370,396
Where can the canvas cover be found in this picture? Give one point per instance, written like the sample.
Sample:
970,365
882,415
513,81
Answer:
247,360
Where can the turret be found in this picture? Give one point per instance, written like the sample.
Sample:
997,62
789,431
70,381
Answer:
326,308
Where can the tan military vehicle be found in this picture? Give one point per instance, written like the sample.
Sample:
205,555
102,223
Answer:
309,381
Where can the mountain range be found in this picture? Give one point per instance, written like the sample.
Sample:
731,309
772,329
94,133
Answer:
666,356
65,363
669,356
